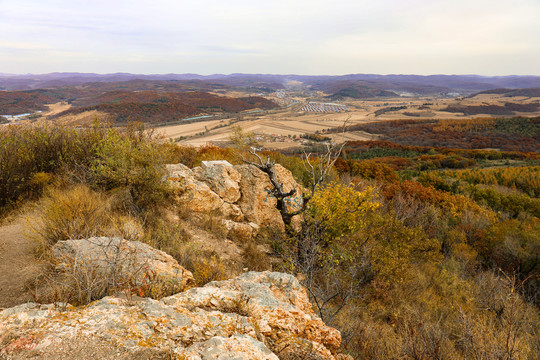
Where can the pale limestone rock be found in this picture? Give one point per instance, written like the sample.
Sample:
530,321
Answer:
191,193
235,347
231,212
238,231
120,261
275,302
238,193
257,202
222,179
179,171
254,316
199,198
215,162
255,227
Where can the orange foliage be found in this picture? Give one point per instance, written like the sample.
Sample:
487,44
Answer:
454,204
370,169
156,107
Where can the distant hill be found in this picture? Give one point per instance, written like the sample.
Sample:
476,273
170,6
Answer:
92,94
353,89
507,134
506,109
416,84
157,107
20,102
529,92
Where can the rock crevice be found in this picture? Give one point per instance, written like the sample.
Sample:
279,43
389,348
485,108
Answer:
241,195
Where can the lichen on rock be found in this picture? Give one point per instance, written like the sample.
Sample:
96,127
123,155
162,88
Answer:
103,264
254,316
240,195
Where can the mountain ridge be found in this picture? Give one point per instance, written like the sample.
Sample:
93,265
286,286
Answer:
392,82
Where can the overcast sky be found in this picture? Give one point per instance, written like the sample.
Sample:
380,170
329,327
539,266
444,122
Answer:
486,37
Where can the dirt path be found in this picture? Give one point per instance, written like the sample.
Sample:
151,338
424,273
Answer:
18,266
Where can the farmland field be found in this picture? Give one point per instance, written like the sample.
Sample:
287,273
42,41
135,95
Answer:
280,125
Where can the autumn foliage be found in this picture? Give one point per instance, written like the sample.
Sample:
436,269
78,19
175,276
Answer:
412,252
162,107
507,134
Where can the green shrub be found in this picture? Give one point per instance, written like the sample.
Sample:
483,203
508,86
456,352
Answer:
134,162
25,151
101,157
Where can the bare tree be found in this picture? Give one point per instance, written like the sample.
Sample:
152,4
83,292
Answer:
330,286
318,170
268,167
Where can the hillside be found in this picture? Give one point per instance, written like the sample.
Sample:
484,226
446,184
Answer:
20,102
508,134
164,102
159,107
404,249
528,92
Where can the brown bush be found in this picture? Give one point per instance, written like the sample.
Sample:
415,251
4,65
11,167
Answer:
75,213
255,257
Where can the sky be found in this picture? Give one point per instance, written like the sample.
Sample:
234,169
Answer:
315,37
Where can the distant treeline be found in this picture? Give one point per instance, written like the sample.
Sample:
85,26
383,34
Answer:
508,134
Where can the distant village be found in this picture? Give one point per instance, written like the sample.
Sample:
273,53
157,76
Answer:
324,107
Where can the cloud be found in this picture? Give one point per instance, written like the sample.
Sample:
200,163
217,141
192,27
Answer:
7,45
280,36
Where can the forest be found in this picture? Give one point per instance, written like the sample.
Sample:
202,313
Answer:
411,250
177,95
518,134
155,107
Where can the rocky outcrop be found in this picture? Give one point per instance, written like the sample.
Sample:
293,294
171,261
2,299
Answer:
240,194
190,192
223,179
257,203
110,262
255,316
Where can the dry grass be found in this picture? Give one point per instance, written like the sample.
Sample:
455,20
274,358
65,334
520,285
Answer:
79,213
255,257
75,213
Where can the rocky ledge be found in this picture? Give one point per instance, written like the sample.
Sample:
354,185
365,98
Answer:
258,315
240,195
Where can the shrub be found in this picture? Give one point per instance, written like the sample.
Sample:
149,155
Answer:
134,162
75,213
255,257
169,237
30,157
25,151
208,267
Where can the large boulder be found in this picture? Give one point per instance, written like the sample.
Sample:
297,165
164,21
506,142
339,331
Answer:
241,193
257,202
192,194
111,262
231,212
255,316
235,347
239,231
222,178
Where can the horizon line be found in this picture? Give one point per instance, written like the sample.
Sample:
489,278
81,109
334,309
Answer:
260,74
